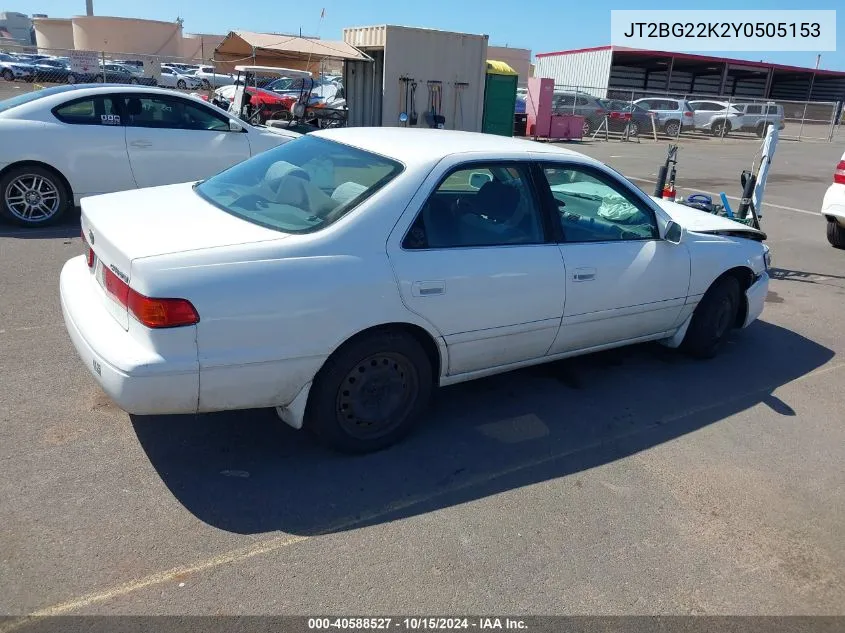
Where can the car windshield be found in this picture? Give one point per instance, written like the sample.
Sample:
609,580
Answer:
301,186
27,97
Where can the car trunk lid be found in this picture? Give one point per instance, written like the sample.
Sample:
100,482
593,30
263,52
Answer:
122,227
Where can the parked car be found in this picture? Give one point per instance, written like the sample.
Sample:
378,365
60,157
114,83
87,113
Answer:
55,70
93,139
210,78
182,68
673,116
622,114
342,276
120,74
171,78
12,68
269,104
757,116
716,117
582,104
833,207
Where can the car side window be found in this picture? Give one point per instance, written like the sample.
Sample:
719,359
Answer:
754,109
593,207
485,205
172,113
100,110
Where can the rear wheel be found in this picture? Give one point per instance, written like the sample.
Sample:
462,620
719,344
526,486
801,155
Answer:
32,196
370,393
98,79
673,128
133,80
633,128
587,128
719,126
71,78
835,234
713,319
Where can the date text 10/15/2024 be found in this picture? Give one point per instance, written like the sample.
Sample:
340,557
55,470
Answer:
417,624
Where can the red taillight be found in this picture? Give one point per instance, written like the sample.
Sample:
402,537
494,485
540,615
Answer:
89,252
154,313
839,173
687,113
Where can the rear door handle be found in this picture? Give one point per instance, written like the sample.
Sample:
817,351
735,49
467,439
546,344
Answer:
141,144
428,288
584,274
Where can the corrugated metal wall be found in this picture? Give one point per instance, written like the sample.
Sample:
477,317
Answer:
363,86
590,69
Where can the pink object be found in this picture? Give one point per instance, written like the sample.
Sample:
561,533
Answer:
541,121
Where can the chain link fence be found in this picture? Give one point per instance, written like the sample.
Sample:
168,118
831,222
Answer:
675,114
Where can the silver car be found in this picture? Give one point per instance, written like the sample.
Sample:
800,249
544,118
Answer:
172,78
757,116
673,116
716,117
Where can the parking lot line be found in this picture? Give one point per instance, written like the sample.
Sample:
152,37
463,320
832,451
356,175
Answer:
279,543
714,193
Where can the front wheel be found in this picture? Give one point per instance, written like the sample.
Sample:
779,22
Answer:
32,196
71,78
8,75
206,85
370,393
713,319
586,128
181,84
835,234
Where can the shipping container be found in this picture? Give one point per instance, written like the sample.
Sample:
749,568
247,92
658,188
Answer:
447,67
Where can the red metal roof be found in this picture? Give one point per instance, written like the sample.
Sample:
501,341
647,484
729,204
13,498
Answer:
702,58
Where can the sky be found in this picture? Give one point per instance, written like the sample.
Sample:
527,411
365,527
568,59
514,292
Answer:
539,25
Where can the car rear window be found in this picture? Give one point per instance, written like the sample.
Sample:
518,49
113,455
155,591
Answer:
301,186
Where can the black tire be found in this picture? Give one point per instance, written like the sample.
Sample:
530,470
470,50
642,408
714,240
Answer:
587,128
133,80
633,128
8,75
672,128
12,175
716,128
713,319
206,85
181,84
338,415
835,234
98,79
71,78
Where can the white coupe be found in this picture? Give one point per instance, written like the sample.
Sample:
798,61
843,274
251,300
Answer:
342,276
60,144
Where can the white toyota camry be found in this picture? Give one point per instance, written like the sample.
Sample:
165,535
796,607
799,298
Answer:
60,144
344,275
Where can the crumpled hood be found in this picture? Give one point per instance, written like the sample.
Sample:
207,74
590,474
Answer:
702,222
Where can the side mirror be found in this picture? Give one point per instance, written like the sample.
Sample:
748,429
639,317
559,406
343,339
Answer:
478,179
673,233
234,126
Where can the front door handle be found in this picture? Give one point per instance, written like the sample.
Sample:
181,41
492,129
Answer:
584,274
428,288
141,144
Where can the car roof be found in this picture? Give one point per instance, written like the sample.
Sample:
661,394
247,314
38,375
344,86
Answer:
414,146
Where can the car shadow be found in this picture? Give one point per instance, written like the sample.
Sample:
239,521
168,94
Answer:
247,472
67,226
784,274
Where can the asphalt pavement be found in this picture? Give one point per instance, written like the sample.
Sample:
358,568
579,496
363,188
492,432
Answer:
636,481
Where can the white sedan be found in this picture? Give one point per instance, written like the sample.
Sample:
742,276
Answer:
344,275
63,143
833,207
172,78
210,78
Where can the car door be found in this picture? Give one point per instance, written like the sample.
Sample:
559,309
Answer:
90,143
171,139
623,282
472,257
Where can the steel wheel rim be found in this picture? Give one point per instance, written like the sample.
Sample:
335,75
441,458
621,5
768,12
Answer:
32,198
376,395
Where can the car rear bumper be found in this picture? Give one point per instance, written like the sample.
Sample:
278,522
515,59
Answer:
756,297
137,379
833,205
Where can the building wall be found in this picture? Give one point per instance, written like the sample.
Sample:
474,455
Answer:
18,25
588,71
200,45
53,34
127,35
517,58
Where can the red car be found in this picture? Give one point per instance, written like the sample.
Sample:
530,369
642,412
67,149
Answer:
269,103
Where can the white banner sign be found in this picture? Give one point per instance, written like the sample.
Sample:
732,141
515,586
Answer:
84,61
